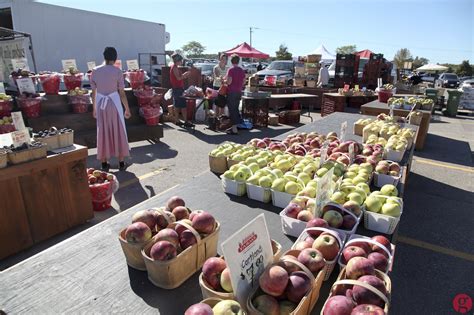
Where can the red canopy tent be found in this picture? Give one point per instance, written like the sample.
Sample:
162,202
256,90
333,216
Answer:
245,51
364,53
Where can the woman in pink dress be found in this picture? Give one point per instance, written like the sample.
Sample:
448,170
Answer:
108,95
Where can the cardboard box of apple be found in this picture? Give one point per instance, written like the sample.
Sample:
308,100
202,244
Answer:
290,286
323,241
377,249
383,209
360,124
218,156
387,172
213,306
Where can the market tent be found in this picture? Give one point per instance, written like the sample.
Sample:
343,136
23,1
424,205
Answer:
325,54
432,67
245,51
364,53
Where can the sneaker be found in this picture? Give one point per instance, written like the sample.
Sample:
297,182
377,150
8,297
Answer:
105,167
122,166
188,124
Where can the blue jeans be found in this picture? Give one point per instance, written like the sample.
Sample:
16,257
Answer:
233,101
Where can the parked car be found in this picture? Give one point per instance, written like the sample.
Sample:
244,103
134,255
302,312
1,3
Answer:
447,80
206,68
250,68
284,70
466,84
429,77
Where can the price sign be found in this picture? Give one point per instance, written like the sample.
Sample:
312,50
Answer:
324,152
18,121
118,64
20,137
69,63
343,131
90,65
132,64
247,253
2,87
20,63
351,152
25,85
6,140
324,192
391,111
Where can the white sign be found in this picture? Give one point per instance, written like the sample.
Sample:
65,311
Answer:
343,131
391,111
6,140
90,65
20,63
69,63
247,253
324,152
324,192
2,87
132,64
25,85
17,118
118,64
20,137
351,152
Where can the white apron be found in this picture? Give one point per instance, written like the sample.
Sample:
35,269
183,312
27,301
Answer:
101,102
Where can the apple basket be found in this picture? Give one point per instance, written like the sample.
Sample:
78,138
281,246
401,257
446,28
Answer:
341,280
80,103
6,107
151,115
384,95
259,193
233,187
30,106
381,223
172,273
135,78
385,179
281,199
307,303
102,194
133,252
340,237
50,83
393,155
364,239
144,96
73,81
218,164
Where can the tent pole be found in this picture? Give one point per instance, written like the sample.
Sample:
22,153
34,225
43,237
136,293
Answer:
32,53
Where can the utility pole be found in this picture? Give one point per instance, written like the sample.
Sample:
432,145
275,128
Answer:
251,31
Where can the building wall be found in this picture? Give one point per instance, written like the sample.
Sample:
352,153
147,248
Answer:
64,33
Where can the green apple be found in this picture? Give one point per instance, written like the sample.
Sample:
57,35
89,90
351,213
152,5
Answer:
238,157
308,192
279,184
262,162
338,171
396,200
328,165
366,166
265,181
247,171
227,307
240,175
304,178
348,181
372,203
251,160
354,196
361,192
228,174
347,188
254,167
338,197
312,183
283,165
234,167
365,187
389,190
278,173
350,175
292,188
391,209
253,179
309,169
321,172
359,179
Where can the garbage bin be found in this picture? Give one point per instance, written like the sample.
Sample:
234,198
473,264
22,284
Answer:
453,103
432,94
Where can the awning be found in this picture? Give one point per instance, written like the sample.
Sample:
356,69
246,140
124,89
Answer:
364,54
432,67
245,51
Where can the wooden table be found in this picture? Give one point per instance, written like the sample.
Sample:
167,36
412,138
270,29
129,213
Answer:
319,92
335,102
42,198
375,108
278,101
88,273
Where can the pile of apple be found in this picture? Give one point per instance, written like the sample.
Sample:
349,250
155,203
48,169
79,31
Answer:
359,247
216,275
224,307
371,153
98,177
318,245
388,168
243,152
169,242
396,143
225,149
364,121
384,201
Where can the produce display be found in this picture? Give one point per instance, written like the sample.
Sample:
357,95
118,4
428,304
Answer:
136,78
22,73
25,152
72,79
215,307
79,99
6,125
101,185
409,102
50,82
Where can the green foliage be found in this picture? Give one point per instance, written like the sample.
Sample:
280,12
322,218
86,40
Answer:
348,49
193,49
465,69
401,56
282,53
419,61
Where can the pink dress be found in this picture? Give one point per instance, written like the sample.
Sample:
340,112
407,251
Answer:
111,135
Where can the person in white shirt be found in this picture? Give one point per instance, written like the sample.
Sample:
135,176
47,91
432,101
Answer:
218,73
323,77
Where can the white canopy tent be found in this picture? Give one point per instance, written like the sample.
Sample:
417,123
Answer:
326,56
432,67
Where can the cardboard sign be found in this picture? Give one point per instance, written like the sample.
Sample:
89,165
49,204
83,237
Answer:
90,65
20,137
324,152
6,140
132,64
391,111
69,63
343,131
324,192
247,253
2,87
17,118
351,152
25,85
118,64
20,63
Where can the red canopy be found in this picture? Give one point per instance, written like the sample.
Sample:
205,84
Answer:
364,53
245,51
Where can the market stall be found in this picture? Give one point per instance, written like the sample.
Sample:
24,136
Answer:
81,269
337,102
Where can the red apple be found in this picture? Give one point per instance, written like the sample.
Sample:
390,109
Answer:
365,296
305,216
92,180
327,245
298,285
353,207
137,232
180,213
359,266
367,309
161,219
169,235
316,222
266,304
365,246
204,223
146,216
348,222
174,202
351,252
338,305
379,260
288,265
199,309
292,210
312,259
384,241
163,250
302,245
273,280
187,239
181,228
90,171
211,272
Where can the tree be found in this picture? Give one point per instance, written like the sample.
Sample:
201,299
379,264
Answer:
465,69
283,53
348,49
399,59
419,61
193,49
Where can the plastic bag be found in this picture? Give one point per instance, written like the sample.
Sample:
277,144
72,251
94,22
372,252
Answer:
168,94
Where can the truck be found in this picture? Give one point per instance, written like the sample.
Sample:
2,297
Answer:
59,33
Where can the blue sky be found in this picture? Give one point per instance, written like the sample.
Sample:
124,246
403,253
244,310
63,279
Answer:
440,30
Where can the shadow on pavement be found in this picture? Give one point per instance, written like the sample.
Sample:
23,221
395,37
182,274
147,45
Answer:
134,190
448,150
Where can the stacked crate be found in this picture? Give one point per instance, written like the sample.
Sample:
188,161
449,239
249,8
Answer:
347,66
300,74
372,71
307,71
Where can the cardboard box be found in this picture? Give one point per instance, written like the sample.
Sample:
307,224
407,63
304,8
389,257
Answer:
314,58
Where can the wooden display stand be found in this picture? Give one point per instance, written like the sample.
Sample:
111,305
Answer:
42,198
55,111
318,92
332,102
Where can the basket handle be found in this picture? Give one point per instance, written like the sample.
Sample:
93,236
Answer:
301,266
333,233
366,286
189,227
370,241
163,213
